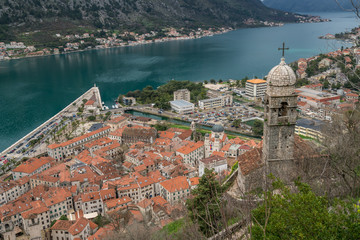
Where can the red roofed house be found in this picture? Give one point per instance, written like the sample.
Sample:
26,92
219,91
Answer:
117,122
71,230
36,219
175,189
31,167
192,153
117,202
11,190
352,97
89,203
65,149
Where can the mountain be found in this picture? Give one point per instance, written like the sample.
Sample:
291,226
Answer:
308,5
134,14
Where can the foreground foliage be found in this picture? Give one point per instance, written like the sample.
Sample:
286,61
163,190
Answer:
303,215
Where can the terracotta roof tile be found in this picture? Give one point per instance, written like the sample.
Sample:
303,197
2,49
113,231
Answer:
175,184
54,146
33,164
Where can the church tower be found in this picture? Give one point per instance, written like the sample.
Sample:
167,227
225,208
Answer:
193,126
279,122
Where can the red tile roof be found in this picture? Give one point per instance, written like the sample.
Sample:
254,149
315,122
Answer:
33,164
190,147
78,226
175,184
74,140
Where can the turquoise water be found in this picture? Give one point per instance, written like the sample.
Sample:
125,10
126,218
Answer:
32,90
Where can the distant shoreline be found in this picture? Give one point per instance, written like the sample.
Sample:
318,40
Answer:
146,43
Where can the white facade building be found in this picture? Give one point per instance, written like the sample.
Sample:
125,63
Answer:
182,106
255,88
219,164
222,101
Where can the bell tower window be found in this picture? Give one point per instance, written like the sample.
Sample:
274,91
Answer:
283,110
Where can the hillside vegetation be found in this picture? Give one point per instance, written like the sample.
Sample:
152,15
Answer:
131,15
308,5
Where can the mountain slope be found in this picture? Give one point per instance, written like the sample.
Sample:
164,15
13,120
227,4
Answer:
308,5
146,14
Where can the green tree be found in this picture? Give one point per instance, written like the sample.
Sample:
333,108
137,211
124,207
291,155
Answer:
161,126
258,127
303,215
237,123
243,81
204,207
326,84
91,118
212,81
206,82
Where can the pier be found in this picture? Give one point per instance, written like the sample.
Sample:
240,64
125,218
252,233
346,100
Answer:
69,110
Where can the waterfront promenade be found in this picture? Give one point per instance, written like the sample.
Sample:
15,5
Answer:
69,111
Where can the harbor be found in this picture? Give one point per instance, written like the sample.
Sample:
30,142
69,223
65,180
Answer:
25,146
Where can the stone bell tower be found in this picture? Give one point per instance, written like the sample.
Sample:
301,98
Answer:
279,122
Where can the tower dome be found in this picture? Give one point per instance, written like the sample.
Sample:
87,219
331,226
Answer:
281,75
217,128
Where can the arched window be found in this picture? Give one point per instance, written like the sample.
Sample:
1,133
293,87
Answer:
283,110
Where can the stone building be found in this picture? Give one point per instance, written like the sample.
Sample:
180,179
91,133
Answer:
215,141
276,156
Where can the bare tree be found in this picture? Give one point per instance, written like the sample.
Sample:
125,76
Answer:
355,7
342,142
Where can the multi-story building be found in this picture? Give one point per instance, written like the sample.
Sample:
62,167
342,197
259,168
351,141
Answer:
309,128
182,106
221,101
71,230
255,88
117,122
36,220
192,153
136,188
59,202
175,189
76,145
91,202
219,164
11,190
31,167
182,94
315,98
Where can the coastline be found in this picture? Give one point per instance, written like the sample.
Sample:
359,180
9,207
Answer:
163,40
112,47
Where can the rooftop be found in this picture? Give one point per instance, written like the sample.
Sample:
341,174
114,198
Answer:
175,184
182,103
256,81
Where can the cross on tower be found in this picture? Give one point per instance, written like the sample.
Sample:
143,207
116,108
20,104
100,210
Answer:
283,49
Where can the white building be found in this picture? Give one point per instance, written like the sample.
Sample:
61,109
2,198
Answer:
255,88
182,94
219,164
32,167
182,106
192,153
76,145
175,189
222,101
